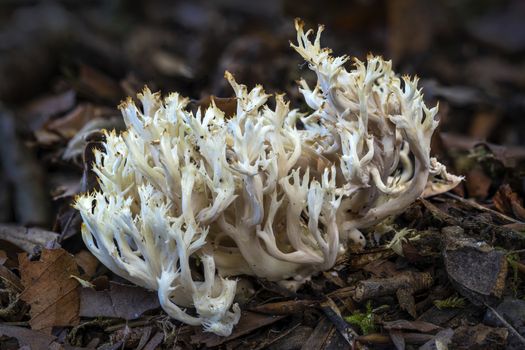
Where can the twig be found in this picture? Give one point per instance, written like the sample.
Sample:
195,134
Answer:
331,311
506,324
519,251
279,337
132,324
478,206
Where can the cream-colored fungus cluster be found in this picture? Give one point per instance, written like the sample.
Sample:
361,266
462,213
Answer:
188,200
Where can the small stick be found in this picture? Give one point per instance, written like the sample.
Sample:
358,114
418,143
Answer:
506,324
482,208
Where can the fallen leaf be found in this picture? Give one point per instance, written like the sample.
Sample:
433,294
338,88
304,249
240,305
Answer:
120,301
477,183
27,337
509,156
249,322
511,310
458,95
64,127
8,276
40,110
87,262
397,338
49,289
439,317
325,336
27,239
508,202
440,341
68,125
481,336
381,339
155,341
476,270
420,326
97,84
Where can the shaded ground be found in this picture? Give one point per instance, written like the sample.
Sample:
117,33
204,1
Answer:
448,271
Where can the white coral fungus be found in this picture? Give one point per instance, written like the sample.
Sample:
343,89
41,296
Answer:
188,199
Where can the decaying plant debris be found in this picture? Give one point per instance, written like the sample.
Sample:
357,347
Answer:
445,272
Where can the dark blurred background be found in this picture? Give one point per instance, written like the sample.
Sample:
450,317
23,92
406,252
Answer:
469,53
65,65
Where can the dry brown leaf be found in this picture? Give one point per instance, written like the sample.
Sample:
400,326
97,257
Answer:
87,262
68,125
97,84
508,202
49,289
64,127
10,278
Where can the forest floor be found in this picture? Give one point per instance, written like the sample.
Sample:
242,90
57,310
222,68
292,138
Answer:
449,273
